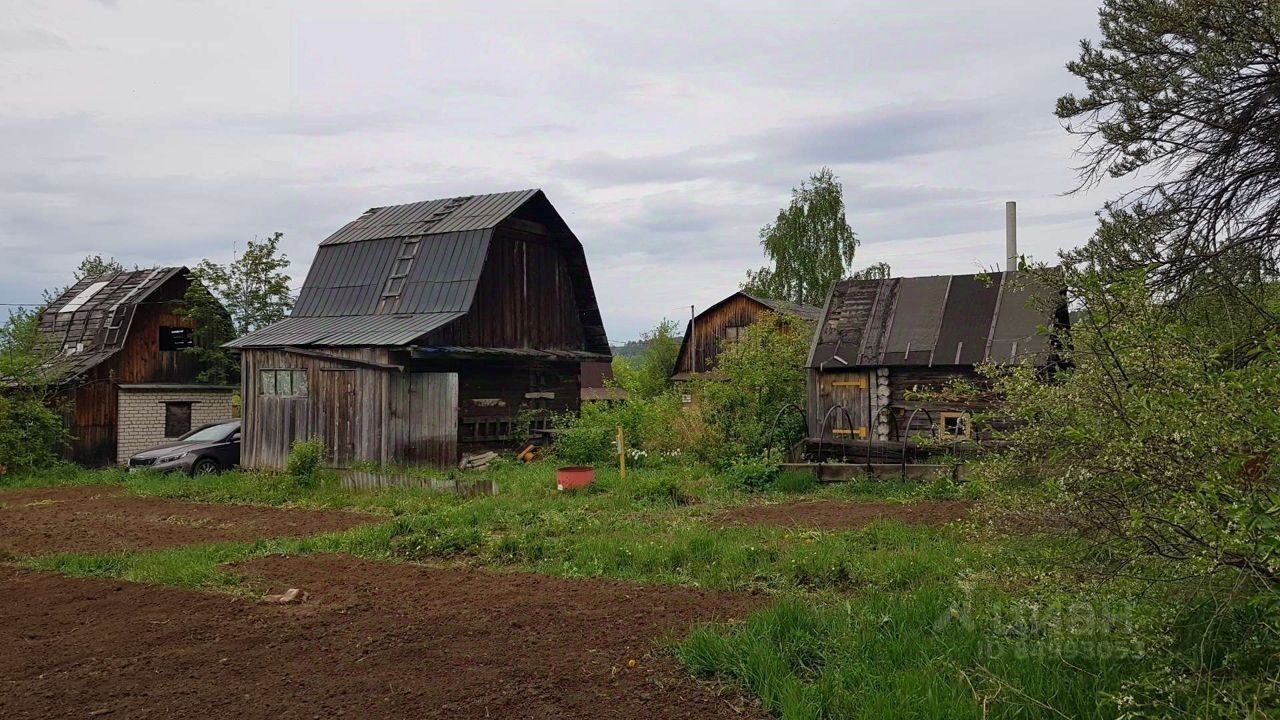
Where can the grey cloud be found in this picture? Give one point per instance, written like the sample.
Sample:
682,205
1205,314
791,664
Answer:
20,38
666,134
878,135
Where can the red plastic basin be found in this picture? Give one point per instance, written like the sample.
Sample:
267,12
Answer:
572,478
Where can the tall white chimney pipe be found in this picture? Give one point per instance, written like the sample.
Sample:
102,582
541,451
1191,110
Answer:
1011,236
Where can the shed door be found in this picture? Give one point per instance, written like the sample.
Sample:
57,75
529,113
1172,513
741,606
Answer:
433,418
336,396
848,390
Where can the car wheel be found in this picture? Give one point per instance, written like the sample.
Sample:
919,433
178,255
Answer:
205,466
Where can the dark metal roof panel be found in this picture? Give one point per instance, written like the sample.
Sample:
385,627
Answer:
1026,308
374,330
966,320
433,217
941,320
917,318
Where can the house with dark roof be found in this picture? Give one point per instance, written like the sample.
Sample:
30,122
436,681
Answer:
424,332
707,333
115,362
885,350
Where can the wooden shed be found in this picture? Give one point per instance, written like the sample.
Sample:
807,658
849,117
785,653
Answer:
706,334
884,348
116,364
424,332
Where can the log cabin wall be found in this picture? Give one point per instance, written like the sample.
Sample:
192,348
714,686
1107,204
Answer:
524,298
856,389
712,329
362,412
907,383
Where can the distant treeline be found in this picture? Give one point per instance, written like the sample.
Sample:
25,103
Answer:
630,349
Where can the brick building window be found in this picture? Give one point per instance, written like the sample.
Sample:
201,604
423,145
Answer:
177,419
176,338
282,382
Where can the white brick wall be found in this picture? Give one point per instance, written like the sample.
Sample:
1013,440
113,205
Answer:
140,415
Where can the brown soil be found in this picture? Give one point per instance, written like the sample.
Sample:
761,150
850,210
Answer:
373,640
833,515
93,519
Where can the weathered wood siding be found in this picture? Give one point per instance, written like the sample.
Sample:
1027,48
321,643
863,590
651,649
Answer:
363,413
141,360
524,299
89,404
711,330
496,398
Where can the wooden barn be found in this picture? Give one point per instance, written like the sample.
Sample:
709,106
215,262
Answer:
706,334
120,377
424,332
883,347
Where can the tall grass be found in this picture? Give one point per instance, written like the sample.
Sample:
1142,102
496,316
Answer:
885,655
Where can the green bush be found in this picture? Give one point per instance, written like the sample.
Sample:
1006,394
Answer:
757,376
306,457
750,473
30,435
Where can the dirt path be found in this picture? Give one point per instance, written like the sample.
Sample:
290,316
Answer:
101,518
834,515
373,640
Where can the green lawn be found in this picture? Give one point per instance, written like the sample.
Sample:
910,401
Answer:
887,621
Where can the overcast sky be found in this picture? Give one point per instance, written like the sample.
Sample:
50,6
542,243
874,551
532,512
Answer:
666,134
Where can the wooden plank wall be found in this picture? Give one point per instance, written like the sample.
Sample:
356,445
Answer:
524,298
364,414
89,405
710,331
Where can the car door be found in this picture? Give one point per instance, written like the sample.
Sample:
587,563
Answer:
229,452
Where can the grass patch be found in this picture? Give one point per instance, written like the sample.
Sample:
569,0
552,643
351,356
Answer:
923,654
202,567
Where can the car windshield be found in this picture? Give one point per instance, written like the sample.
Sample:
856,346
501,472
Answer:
211,433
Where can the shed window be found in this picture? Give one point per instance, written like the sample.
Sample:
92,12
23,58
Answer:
734,332
177,419
175,338
953,425
283,382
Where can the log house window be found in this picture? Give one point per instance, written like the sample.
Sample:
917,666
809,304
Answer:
177,419
953,425
282,382
175,338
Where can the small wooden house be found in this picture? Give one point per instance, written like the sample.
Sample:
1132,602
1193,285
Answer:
117,368
706,334
424,332
885,347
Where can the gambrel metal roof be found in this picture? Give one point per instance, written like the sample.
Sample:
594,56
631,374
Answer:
939,320
432,254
